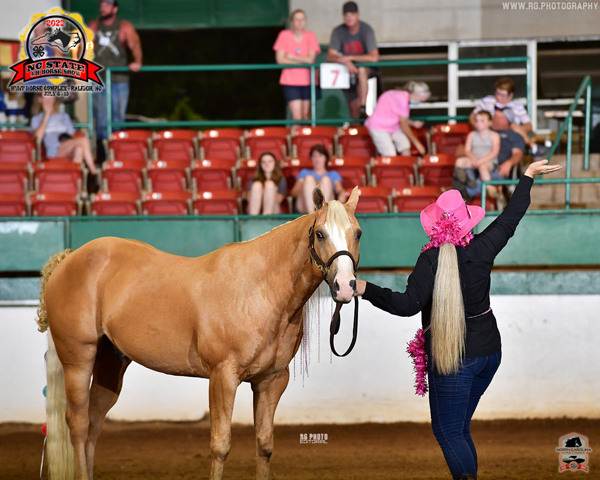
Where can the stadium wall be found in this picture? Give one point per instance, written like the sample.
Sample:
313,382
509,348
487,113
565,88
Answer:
550,368
396,21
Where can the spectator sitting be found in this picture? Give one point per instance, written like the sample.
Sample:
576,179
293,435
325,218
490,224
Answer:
481,152
354,41
56,130
503,99
293,47
512,149
389,125
267,189
307,180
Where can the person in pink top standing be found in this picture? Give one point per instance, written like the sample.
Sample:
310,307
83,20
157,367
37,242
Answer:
293,47
389,125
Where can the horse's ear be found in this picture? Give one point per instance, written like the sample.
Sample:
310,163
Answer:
318,197
353,200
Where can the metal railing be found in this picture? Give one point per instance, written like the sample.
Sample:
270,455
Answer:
313,121
586,86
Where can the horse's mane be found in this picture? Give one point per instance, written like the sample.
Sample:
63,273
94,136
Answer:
337,217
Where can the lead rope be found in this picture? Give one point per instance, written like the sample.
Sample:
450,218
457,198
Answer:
42,465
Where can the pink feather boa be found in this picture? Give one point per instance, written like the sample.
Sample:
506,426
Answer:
416,350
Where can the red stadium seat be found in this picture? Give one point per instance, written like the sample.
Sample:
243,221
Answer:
166,203
123,176
17,151
18,135
414,199
304,138
353,170
422,135
267,139
221,143
58,177
12,205
175,145
167,175
134,134
445,138
292,167
114,203
212,174
244,172
490,203
355,142
128,150
437,170
14,178
373,199
54,204
394,172
217,202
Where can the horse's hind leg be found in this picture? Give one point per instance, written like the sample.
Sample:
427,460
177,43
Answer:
266,397
78,362
221,396
107,381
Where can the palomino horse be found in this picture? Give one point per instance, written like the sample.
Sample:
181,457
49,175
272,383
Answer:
232,316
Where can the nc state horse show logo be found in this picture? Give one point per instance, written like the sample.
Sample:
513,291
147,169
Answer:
56,46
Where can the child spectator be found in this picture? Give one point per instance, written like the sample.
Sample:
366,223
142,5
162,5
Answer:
389,125
292,47
481,153
307,180
56,131
267,189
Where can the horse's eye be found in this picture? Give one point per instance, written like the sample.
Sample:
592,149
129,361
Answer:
358,234
320,236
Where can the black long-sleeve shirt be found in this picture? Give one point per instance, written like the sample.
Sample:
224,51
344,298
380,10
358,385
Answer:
475,263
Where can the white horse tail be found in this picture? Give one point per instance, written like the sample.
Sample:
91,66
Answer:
61,462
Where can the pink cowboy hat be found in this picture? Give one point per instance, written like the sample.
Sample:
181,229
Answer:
452,202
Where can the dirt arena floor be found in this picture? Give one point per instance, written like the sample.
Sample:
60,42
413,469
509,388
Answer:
508,449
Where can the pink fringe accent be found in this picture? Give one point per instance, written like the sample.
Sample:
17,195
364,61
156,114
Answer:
446,230
416,350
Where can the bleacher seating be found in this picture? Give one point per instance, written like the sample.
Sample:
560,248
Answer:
355,142
445,138
414,199
353,170
54,204
166,203
58,177
373,199
130,145
217,202
17,151
304,138
122,176
267,139
175,145
292,167
12,205
214,174
394,172
114,203
244,172
14,178
221,143
437,170
167,175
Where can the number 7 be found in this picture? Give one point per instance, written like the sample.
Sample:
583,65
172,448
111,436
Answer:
335,76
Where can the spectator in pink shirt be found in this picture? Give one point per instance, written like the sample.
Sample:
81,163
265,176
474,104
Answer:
293,47
389,125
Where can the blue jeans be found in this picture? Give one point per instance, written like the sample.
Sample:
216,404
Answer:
474,174
452,401
120,97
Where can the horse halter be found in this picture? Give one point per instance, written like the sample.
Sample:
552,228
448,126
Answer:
323,267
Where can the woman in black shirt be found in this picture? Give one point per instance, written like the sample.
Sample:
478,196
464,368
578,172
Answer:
450,285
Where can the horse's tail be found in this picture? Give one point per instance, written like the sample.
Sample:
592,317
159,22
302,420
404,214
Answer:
61,463
46,272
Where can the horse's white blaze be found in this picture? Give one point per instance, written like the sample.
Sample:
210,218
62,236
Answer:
345,270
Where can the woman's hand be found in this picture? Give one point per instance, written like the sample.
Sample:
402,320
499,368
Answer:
360,287
540,168
48,105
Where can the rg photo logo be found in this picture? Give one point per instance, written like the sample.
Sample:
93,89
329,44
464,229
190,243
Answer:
573,450
56,46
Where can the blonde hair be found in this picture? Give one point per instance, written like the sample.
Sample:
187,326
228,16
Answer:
337,217
416,87
448,327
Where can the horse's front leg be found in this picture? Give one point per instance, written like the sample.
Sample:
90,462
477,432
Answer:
266,397
223,384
